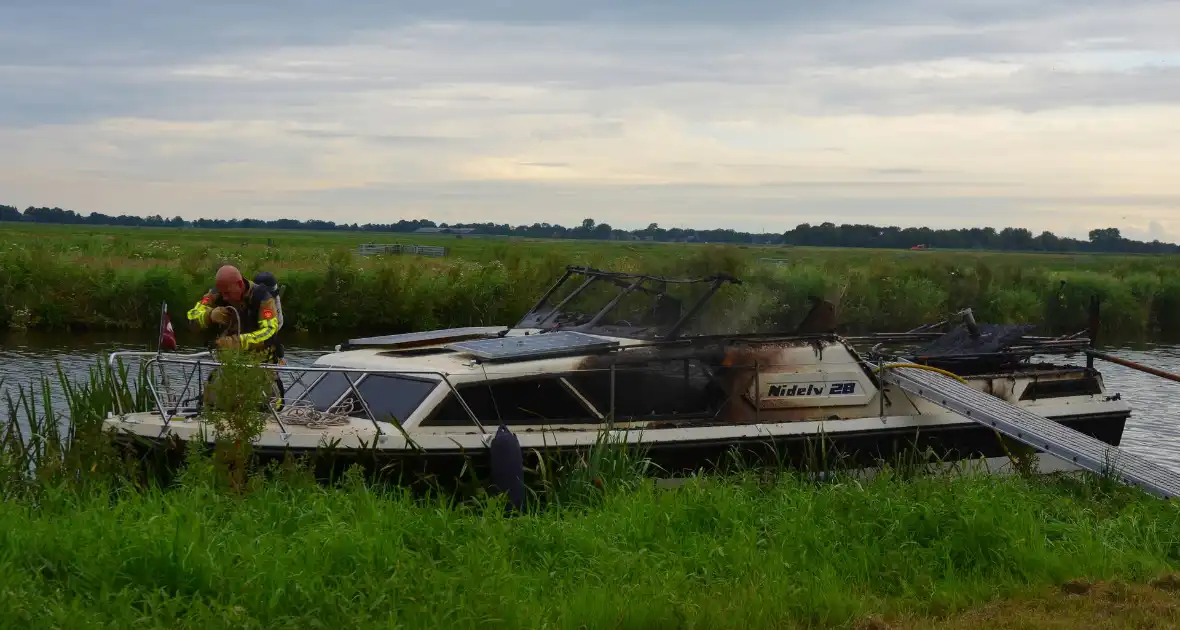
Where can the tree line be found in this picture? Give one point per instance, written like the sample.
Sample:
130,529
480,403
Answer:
823,235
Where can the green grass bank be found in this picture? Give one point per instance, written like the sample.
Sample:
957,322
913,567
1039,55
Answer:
102,278
85,543
734,552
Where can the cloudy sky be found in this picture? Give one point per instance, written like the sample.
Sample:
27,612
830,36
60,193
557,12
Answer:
1060,114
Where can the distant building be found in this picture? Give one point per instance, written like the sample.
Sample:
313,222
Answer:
446,230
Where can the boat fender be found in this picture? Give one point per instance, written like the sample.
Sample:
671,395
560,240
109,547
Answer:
507,462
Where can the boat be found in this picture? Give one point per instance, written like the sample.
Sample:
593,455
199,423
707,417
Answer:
644,365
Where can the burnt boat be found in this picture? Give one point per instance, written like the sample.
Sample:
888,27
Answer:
645,366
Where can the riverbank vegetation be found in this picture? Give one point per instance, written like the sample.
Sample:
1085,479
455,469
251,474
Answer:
57,277
86,541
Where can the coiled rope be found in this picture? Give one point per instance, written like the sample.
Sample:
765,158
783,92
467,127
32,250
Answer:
304,413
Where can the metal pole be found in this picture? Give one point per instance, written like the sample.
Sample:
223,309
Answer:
757,393
612,394
160,336
544,299
611,305
969,320
364,404
463,403
1134,366
557,309
274,413
160,350
159,404
692,311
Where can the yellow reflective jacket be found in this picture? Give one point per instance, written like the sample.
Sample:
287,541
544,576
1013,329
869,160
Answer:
260,313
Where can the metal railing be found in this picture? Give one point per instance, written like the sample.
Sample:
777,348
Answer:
192,366
177,382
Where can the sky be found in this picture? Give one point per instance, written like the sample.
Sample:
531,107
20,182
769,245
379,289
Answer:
1059,115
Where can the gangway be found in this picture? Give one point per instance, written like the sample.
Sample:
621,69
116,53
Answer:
1036,431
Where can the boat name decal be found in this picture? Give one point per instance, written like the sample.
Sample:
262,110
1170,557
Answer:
811,389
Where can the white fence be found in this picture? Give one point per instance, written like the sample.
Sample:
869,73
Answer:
373,249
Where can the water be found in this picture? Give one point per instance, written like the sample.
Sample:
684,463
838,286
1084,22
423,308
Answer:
1154,427
1153,430
25,357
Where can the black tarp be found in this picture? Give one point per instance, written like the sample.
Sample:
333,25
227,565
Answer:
992,338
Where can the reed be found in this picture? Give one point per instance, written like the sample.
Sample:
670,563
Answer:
116,278
56,437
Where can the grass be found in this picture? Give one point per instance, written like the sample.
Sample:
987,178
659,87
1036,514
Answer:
84,542
56,277
731,552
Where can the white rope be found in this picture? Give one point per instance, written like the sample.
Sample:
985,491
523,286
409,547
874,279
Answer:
304,413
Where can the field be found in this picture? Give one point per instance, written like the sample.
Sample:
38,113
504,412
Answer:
56,277
84,542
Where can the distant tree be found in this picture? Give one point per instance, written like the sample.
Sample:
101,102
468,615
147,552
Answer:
1016,238
1106,238
826,234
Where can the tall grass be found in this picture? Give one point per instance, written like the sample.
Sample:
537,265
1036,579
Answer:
112,278
716,552
604,547
43,444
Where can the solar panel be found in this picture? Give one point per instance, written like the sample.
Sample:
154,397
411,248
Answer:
538,346
426,337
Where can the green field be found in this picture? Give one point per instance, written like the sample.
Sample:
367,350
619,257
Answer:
100,278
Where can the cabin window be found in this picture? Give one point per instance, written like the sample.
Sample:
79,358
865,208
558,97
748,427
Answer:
394,396
518,402
328,390
658,389
297,387
1085,386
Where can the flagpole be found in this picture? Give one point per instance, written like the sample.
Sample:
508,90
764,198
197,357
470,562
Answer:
159,351
160,332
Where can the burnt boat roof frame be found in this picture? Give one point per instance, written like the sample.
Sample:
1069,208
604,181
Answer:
538,316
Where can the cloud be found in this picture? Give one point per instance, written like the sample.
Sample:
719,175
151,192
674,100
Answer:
743,114
1154,231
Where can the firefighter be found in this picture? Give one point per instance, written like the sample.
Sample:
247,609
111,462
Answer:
236,301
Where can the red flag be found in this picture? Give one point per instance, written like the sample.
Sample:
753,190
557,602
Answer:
167,335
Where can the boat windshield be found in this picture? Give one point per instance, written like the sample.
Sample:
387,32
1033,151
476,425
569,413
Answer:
624,304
